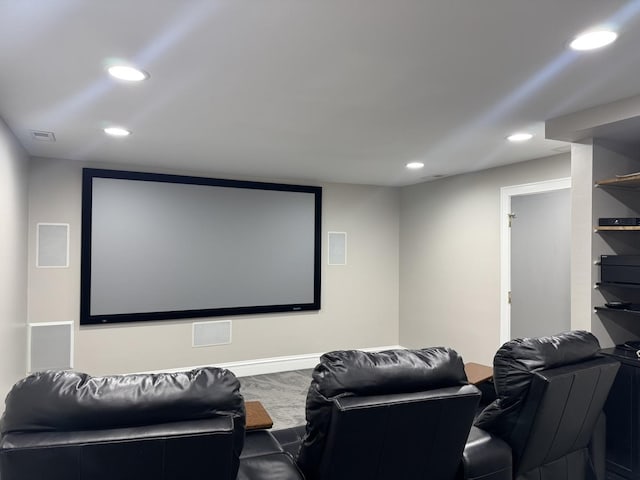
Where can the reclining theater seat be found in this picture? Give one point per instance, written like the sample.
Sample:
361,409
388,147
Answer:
401,414
550,395
61,425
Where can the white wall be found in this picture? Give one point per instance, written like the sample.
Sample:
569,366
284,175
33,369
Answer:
14,165
359,301
450,257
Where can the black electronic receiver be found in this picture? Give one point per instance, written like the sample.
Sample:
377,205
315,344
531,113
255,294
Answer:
619,222
624,269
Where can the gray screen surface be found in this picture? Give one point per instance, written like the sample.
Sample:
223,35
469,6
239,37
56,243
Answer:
160,247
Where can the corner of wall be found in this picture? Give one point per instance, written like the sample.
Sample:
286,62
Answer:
14,165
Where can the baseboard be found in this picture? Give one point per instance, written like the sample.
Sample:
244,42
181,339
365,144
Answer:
261,366
271,365
283,364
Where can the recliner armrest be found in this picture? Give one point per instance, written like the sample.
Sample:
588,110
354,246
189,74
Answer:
264,459
486,457
260,442
42,440
290,438
272,466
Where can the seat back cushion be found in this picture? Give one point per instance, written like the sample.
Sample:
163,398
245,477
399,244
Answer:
356,373
73,402
67,400
550,393
514,367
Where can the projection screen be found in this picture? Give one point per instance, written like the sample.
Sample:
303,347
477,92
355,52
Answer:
160,247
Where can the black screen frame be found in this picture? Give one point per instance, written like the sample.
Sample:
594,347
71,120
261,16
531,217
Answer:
88,174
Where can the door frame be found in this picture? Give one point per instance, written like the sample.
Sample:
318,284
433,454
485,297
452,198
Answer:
506,193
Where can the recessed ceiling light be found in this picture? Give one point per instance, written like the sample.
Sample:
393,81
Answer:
520,137
130,74
594,39
415,165
117,131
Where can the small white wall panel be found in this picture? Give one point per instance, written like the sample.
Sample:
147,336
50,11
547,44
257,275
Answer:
52,245
337,248
211,333
50,346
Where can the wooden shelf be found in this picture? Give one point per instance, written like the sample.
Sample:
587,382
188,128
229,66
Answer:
632,181
616,285
623,310
618,228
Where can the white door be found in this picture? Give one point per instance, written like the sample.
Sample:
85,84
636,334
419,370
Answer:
540,264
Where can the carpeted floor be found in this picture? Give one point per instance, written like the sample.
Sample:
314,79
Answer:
282,394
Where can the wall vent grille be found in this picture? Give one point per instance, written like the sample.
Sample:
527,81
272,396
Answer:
43,136
211,333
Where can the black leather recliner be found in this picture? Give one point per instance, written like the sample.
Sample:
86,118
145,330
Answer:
550,396
400,414
59,425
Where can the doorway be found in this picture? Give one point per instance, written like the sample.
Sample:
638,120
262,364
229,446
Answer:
535,257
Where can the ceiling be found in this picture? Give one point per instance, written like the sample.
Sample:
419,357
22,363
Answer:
314,90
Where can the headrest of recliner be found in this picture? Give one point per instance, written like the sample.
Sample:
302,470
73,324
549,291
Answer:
372,373
68,400
542,353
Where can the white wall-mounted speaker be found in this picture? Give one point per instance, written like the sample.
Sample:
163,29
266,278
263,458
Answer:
50,346
211,333
337,248
52,245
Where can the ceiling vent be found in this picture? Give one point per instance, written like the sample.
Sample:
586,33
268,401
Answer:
43,136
